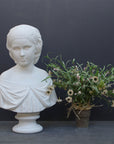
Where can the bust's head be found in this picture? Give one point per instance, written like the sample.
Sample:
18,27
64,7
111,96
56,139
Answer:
28,33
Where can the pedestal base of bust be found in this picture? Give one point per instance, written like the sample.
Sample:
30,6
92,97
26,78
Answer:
27,123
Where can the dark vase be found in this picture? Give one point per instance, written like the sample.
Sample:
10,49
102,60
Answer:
84,116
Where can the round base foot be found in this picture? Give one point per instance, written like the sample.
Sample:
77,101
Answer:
27,123
26,129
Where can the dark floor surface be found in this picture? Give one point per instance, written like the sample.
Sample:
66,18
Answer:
99,132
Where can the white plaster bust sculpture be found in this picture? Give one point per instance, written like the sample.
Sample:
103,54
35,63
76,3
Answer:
22,88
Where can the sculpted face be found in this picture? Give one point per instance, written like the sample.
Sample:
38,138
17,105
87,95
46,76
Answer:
26,33
23,52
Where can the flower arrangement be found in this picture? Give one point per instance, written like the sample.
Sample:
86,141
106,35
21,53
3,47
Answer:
83,84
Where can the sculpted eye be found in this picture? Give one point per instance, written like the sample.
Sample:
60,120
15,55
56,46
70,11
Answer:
15,48
27,47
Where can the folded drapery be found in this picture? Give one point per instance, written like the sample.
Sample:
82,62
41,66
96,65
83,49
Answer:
26,98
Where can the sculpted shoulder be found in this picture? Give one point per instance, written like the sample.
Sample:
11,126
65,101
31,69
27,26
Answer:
7,74
13,75
42,72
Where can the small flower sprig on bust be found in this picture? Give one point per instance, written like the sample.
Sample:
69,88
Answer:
49,90
83,84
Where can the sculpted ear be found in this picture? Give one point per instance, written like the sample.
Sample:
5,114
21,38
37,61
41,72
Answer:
38,50
40,43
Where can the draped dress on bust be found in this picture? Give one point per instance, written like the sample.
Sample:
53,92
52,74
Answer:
27,98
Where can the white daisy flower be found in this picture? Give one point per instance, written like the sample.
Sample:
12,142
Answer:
70,92
68,99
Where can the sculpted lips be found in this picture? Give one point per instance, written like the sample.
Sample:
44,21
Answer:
23,60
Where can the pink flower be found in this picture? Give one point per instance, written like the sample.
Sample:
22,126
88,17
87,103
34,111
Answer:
78,77
79,92
56,69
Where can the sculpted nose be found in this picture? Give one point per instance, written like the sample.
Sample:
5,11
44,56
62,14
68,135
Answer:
22,52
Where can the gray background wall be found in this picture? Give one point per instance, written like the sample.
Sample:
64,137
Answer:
81,29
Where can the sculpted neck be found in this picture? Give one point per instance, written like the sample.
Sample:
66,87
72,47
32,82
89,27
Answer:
26,69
